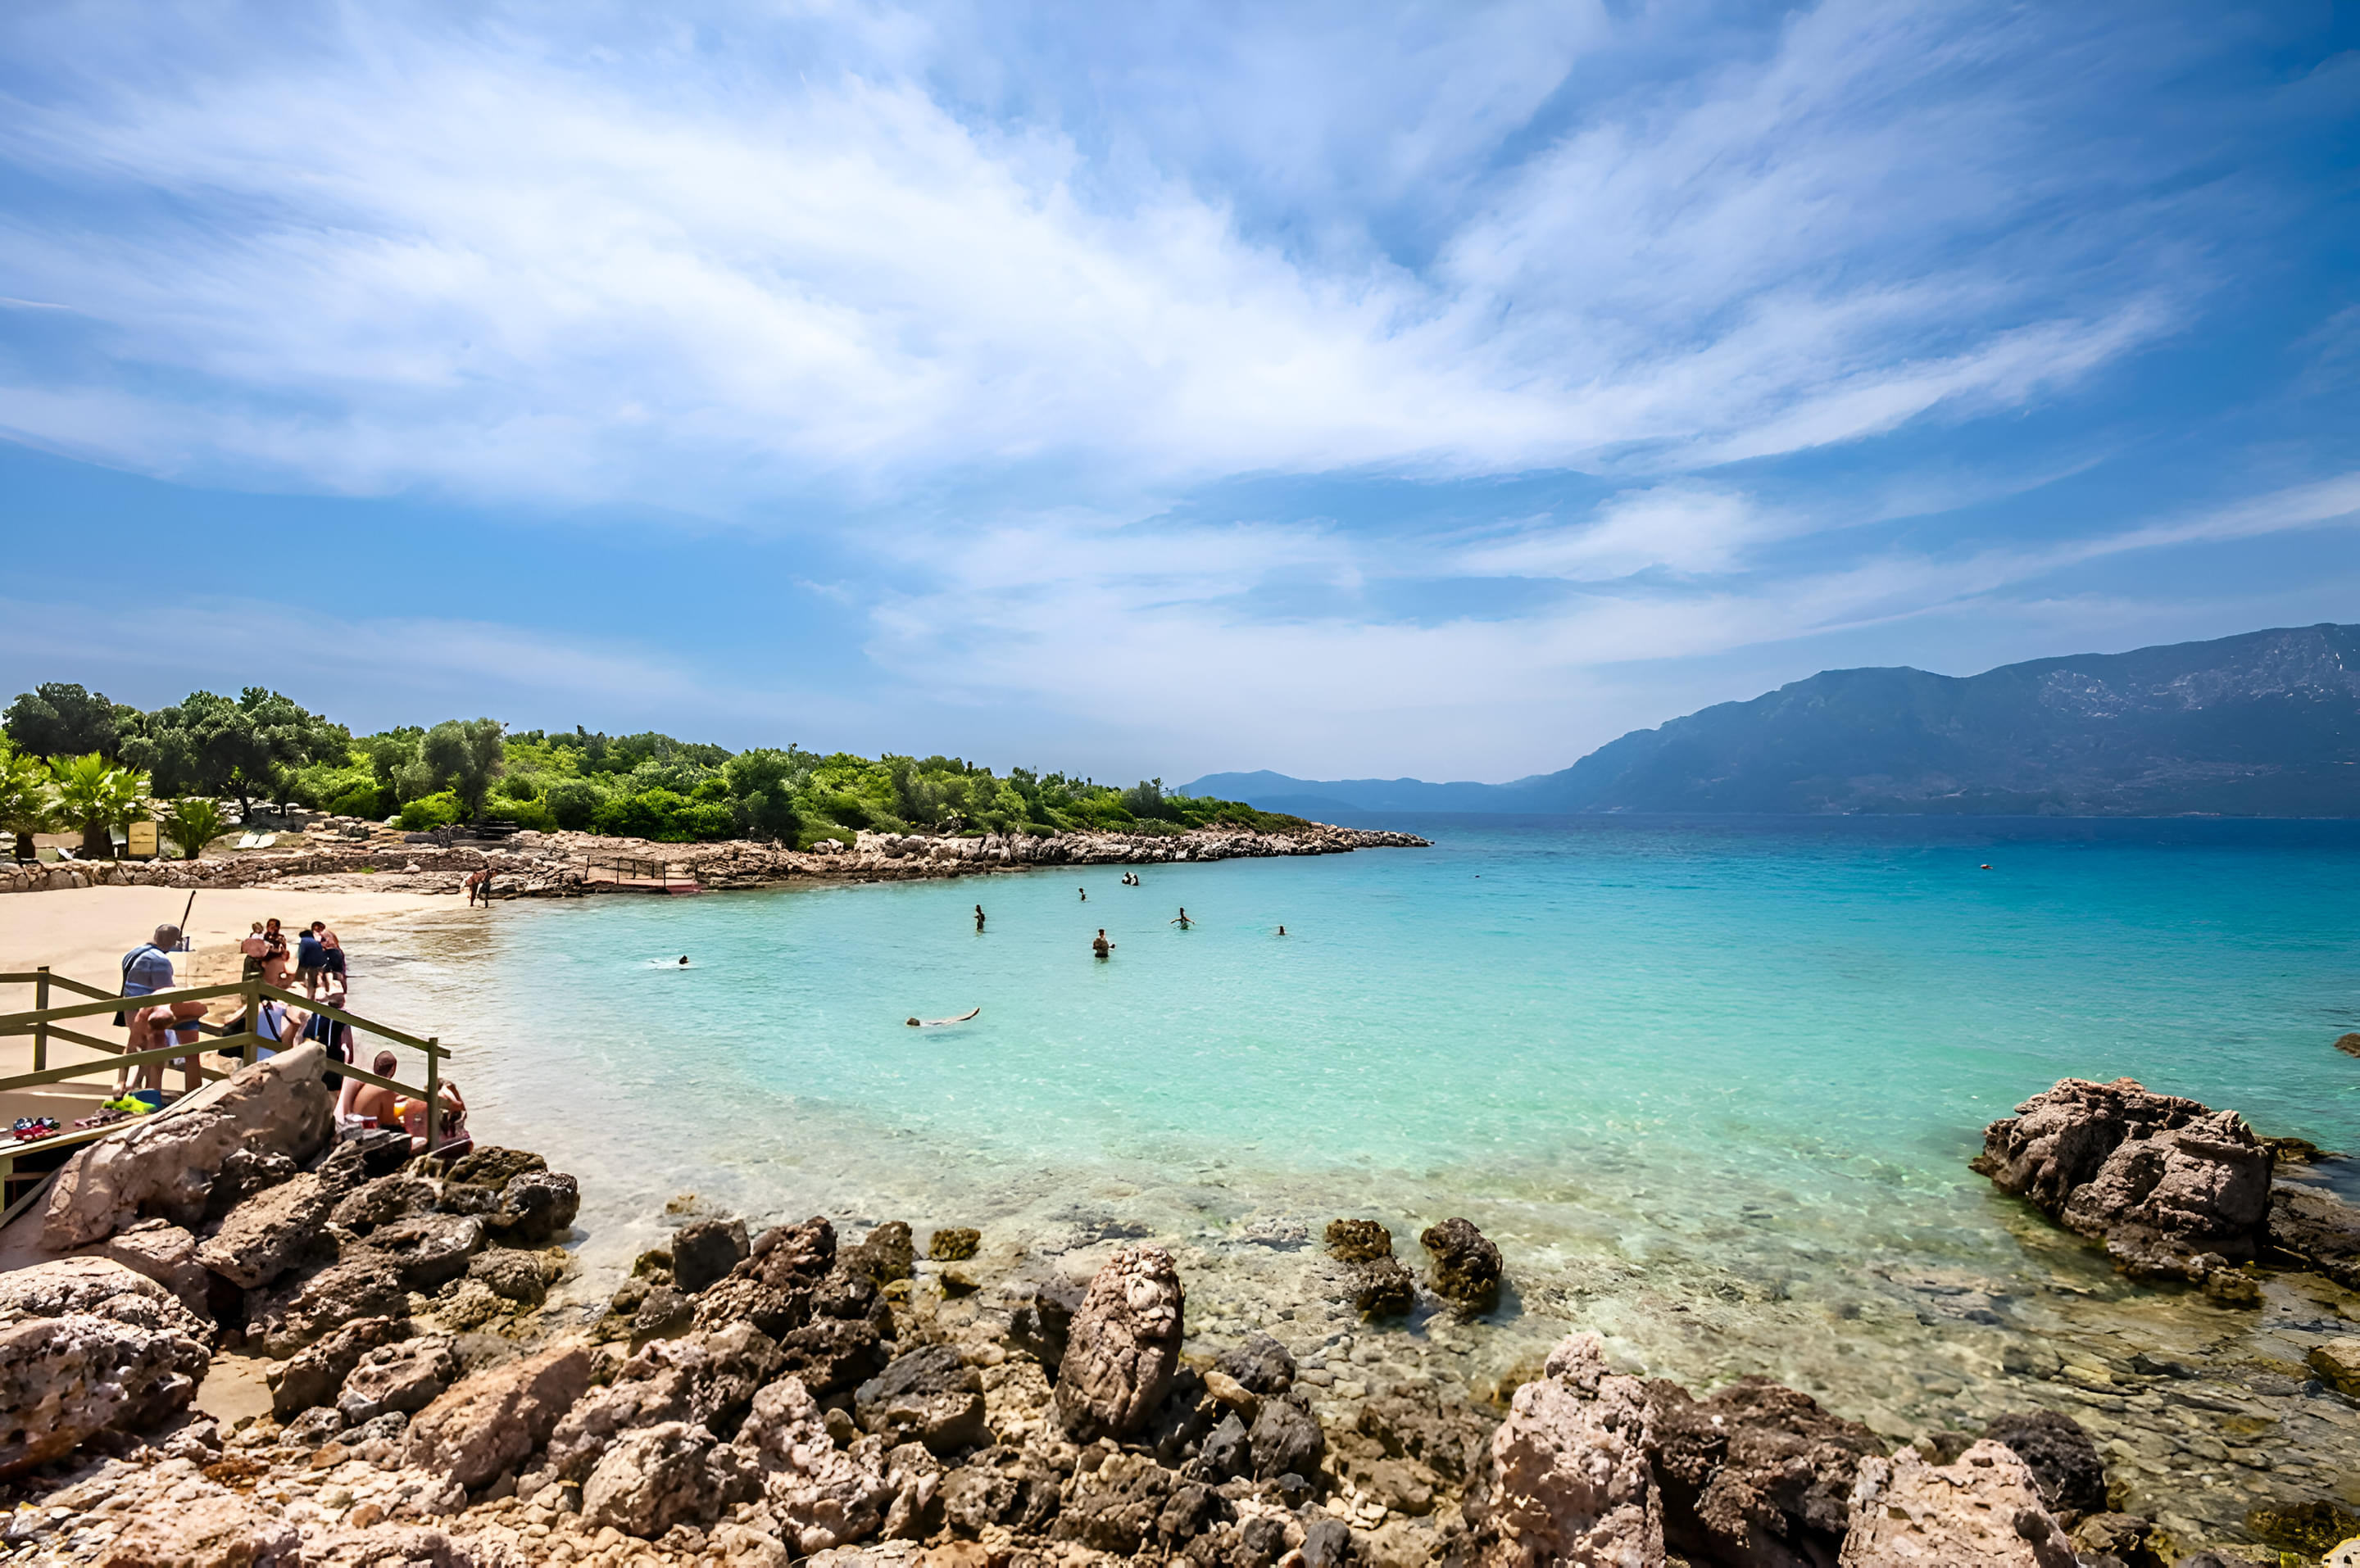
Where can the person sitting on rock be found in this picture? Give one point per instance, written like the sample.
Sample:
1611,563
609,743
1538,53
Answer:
457,1140
369,1101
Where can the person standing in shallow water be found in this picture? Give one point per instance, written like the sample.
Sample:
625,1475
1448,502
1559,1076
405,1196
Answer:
1102,947
978,917
1085,892
1181,920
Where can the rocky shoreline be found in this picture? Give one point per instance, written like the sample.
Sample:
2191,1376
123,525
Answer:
557,866
745,1398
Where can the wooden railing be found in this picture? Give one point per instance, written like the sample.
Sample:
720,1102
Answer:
42,1023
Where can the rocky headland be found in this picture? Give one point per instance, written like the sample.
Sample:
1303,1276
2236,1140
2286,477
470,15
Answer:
434,1381
570,864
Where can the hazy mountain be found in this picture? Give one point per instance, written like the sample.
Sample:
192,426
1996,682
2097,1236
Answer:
2263,724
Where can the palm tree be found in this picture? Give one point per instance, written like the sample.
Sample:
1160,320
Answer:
100,796
25,803
193,821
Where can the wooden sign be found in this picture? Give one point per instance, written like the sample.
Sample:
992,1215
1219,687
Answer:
140,840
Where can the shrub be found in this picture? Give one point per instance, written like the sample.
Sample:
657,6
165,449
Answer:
533,814
644,815
429,812
573,803
516,786
361,800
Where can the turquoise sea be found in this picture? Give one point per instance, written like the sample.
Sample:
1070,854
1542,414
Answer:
1741,1062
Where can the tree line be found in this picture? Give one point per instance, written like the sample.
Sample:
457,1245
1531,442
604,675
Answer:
261,746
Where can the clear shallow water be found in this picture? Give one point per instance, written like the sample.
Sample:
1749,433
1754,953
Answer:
1741,1063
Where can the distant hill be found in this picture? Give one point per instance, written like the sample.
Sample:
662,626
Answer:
2263,724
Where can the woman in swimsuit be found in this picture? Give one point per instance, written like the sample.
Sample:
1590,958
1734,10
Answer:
274,954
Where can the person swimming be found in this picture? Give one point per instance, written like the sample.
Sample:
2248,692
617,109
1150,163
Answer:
1102,947
1181,920
683,961
938,1023
1282,931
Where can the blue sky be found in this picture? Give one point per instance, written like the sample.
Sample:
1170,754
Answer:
1159,389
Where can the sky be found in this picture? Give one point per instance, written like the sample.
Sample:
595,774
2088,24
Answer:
1159,389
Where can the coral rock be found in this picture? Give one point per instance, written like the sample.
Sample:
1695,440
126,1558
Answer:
1123,1344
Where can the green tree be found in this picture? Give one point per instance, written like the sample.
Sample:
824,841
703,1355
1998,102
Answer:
204,745
193,821
466,756
27,799
290,737
573,802
55,719
100,796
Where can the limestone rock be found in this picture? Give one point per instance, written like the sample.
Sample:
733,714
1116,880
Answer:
1261,1365
2058,1139
1123,1344
929,1396
167,1254
1358,1241
491,1420
515,1275
301,1313
1115,1506
428,1251
843,1345
887,1255
1756,1473
1983,1509
270,1232
2173,1204
313,1373
710,1379
2338,1363
821,1495
1382,1289
706,1251
2064,1462
102,1288
406,1378
1040,1324
998,1486
2313,1230
494,1167
218,1530
1466,1265
655,1478
773,1288
243,1173
386,1200
1285,1439
954,1244
66,1378
536,1208
165,1165
1569,1481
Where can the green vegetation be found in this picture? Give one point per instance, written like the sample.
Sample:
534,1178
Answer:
25,804
191,822
97,796
262,745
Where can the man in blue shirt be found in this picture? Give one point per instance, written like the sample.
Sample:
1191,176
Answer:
310,958
146,969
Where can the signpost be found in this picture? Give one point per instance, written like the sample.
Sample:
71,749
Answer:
140,839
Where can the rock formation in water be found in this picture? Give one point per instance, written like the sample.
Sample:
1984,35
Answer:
1123,1344
2173,1189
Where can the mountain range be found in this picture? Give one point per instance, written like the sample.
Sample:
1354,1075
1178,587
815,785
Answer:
2264,725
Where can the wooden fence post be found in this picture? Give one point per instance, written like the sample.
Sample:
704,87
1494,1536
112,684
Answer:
41,1030
253,984
433,1093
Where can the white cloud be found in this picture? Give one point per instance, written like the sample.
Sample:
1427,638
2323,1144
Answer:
488,261
1685,527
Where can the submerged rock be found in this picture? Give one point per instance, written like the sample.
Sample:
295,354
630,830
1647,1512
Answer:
2064,1462
1569,1481
1383,1289
954,1244
1466,1265
1985,1509
1123,1346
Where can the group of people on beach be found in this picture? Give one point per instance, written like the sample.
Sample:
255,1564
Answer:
317,962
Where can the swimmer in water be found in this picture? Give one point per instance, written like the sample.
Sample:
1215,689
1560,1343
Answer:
1181,920
683,961
1102,947
1085,892
938,1023
978,917
1282,931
